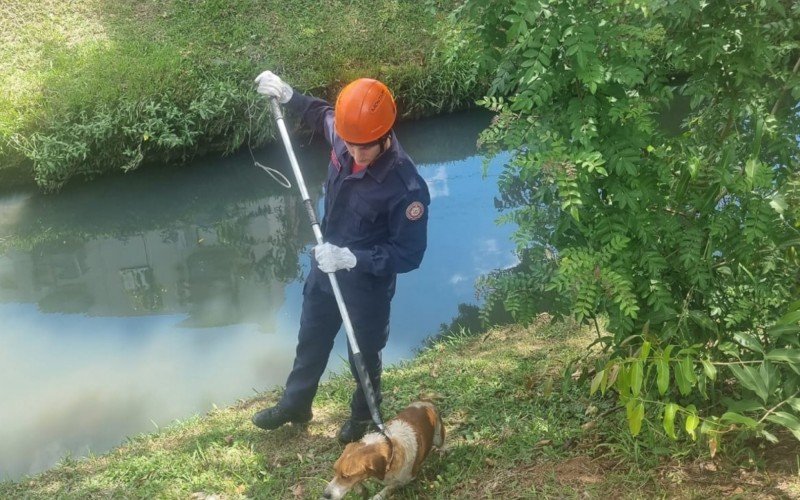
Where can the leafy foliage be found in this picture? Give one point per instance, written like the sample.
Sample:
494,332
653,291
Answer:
685,237
126,135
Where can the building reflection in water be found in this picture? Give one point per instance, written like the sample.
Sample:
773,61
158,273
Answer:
221,264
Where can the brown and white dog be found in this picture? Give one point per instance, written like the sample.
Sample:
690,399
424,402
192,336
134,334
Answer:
394,461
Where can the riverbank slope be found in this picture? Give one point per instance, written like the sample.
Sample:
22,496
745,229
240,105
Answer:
90,87
519,420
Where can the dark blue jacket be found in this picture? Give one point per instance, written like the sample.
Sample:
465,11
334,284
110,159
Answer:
379,213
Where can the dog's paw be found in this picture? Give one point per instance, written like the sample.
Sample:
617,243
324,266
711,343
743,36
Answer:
382,495
443,450
361,490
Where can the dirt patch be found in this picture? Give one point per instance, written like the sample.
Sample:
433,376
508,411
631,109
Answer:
767,471
585,476
782,457
573,477
578,471
707,479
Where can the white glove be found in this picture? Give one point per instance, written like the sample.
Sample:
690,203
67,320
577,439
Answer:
332,258
271,85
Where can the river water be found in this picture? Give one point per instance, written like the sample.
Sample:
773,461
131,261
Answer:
139,299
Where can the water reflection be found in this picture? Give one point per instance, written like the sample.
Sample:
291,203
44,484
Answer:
213,245
136,300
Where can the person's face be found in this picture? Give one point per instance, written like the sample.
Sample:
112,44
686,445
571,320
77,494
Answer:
364,154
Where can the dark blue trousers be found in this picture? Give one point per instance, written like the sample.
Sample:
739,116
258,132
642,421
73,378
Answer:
368,302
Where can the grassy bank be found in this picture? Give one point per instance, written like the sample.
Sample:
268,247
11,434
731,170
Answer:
93,86
517,428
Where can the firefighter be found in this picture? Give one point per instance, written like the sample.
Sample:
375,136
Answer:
374,227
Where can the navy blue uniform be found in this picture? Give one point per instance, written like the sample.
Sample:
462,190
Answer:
380,214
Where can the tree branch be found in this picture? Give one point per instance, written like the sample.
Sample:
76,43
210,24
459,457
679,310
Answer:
778,406
784,89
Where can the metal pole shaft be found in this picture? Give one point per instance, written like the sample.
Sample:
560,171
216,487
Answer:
358,358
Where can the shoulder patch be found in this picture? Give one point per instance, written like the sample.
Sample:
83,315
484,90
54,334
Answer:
415,210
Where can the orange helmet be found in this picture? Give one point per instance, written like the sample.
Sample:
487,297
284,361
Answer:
365,111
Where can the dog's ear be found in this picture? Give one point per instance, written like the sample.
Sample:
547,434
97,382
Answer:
376,464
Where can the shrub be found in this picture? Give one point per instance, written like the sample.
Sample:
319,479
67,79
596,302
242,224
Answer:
686,241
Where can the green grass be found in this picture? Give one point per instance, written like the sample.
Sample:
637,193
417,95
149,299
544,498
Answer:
92,86
516,428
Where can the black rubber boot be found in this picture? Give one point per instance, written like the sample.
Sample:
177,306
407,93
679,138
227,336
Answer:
353,430
274,417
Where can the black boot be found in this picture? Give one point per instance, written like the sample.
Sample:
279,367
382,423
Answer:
353,430
274,417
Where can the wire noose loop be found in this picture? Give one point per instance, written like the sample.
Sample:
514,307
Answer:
275,174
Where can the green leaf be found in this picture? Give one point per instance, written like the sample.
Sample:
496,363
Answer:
791,356
669,419
644,350
685,376
770,375
637,377
709,369
694,165
778,203
750,378
662,370
703,321
750,168
680,379
779,331
742,405
635,412
725,270
769,436
623,384
749,341
687,365
701,386
692,421
759,134
598,378
738,418
787,420
708,427
789,318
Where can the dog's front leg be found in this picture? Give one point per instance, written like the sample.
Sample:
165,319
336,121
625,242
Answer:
383,494
361,490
